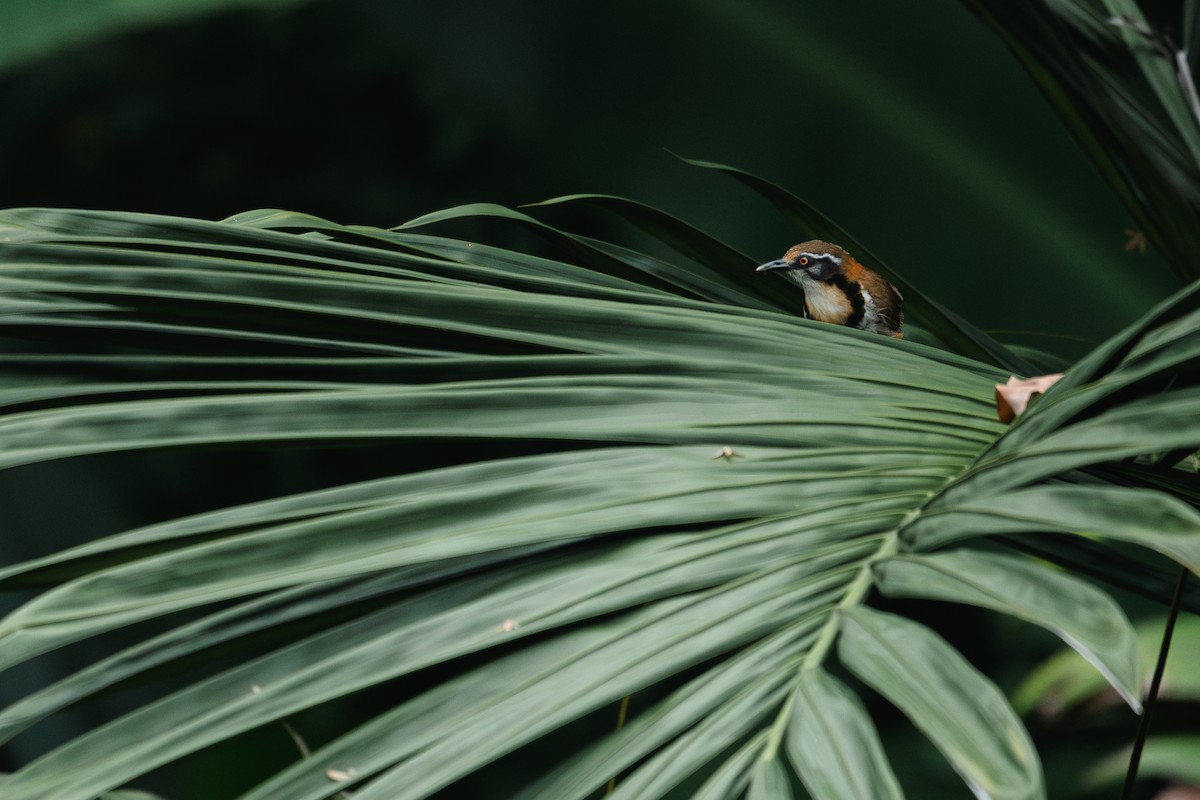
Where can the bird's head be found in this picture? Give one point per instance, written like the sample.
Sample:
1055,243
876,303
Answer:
814,259
839,290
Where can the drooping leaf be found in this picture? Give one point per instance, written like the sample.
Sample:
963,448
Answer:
958,334
962,712
834,745
1085,618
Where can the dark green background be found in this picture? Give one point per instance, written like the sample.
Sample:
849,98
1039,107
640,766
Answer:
910,124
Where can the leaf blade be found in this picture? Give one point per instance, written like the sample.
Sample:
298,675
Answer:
834,745
961,711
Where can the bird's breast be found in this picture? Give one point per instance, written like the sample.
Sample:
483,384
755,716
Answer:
827,303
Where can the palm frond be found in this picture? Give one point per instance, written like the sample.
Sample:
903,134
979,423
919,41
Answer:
603,484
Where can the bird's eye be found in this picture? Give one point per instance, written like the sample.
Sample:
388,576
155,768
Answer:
804,261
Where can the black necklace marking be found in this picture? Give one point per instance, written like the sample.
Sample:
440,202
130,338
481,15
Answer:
853,292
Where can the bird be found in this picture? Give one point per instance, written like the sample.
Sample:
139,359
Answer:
841,291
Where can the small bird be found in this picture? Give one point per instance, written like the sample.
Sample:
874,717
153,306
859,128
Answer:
839,290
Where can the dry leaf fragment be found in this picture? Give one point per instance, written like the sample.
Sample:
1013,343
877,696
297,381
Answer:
1014,396
340,775
1135,240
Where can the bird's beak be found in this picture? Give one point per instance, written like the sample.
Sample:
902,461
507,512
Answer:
778,263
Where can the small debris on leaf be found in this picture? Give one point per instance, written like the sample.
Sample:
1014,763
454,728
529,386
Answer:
727,453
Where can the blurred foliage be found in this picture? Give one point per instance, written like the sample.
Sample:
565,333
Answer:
31,30
1065,682
1083,731
1122,81
1174,760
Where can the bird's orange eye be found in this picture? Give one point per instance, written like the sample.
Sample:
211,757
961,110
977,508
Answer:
804,261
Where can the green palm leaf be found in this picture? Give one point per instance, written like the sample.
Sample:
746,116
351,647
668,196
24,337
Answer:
607,479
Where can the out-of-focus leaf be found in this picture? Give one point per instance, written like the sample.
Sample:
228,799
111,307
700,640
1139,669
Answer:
1174,758
119,794
36,30
1065,680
